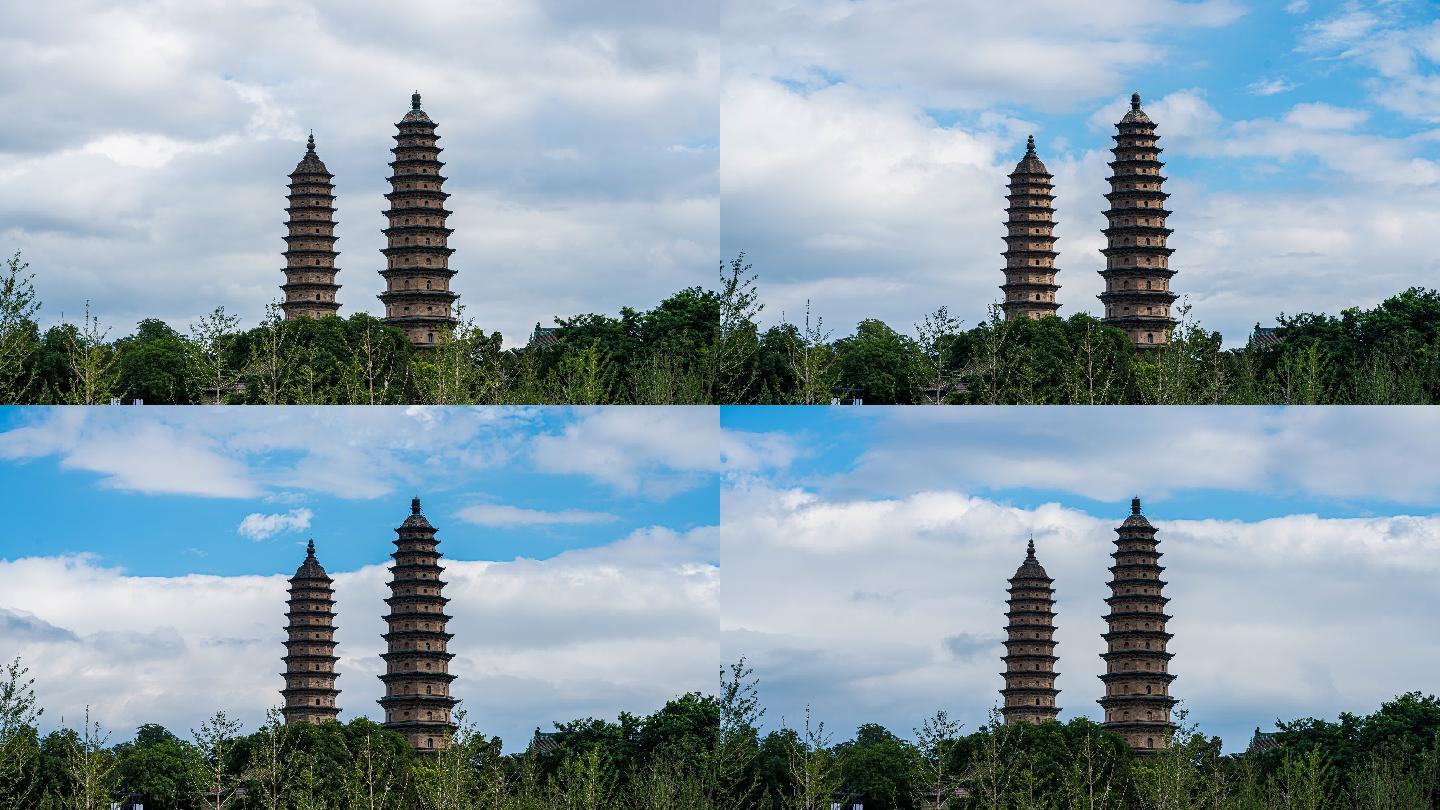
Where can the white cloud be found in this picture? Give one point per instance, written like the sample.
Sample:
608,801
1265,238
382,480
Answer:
257,526
656,451
1270,87
587,633
885,609
1336,452
495,514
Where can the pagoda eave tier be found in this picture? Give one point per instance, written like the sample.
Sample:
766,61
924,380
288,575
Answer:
308,253
1039,614
309,195
433,635
417,581
1020,209
1139,250
1133,177
307,690
1026,690
437,655
419,209
419,193
416,229
1018,657
1029,253
1112,212
418,701
402,249
1148,163
1159,702
404,677
1138,614
1137,230
431,162
410,296
1159,635
310,286
1031,583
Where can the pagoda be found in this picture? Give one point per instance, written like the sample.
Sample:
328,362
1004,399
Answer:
1137,270
417,680
309,693
1137,680
1030,645
310,243
1030,241
417,270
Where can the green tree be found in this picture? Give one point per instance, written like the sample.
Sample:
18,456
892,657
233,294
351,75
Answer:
19,336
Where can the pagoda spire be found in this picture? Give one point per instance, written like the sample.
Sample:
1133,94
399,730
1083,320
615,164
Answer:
417,270
1137,272
1137,675
1030,288
310,269
1029,658
417,677
309,693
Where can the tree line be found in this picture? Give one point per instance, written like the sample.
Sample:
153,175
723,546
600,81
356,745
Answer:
1388,760
655,761
702,752
708,346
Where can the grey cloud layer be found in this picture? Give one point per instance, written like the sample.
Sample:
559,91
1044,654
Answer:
151,179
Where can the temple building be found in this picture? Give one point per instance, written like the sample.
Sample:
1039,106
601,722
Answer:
1137,680
417,272
1030,241
417,679
310,244
309,693
1030,645
1137,272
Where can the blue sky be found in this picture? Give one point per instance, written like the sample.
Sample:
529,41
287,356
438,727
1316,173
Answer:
165,533
866,552
1300,139
580,548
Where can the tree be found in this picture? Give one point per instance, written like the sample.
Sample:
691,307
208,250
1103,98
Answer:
91,362
884,364
214,740
811,767
159,766
211,339
377,775
447,779
732,772
272,357
811,360
935,737
731,371
19,338
936,335
18,751
91,767
152,365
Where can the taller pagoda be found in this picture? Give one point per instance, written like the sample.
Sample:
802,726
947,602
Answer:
1030,645
310,243
417,270
1137,270
417,675
1030,286
1137,679
309,693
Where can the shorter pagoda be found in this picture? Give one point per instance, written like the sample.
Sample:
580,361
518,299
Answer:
417,675
1030,288
1030,645
310,288
309,693
1137,675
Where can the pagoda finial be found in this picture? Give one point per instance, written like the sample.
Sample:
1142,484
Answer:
1135,101
1030,146
1135,505
1030,548
310,548
415,505
310,144
415,100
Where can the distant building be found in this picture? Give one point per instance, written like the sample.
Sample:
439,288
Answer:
1137,679
1263,741
417,677
417,270
1030,674
1137,272
310,269
1030,270
309,694
543,337
1264,337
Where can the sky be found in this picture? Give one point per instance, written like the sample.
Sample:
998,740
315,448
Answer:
866,552
866,147
148,176
146,574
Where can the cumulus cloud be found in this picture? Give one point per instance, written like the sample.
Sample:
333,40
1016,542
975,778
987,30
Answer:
1288,617
497,514
580,148
586,633
258,526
